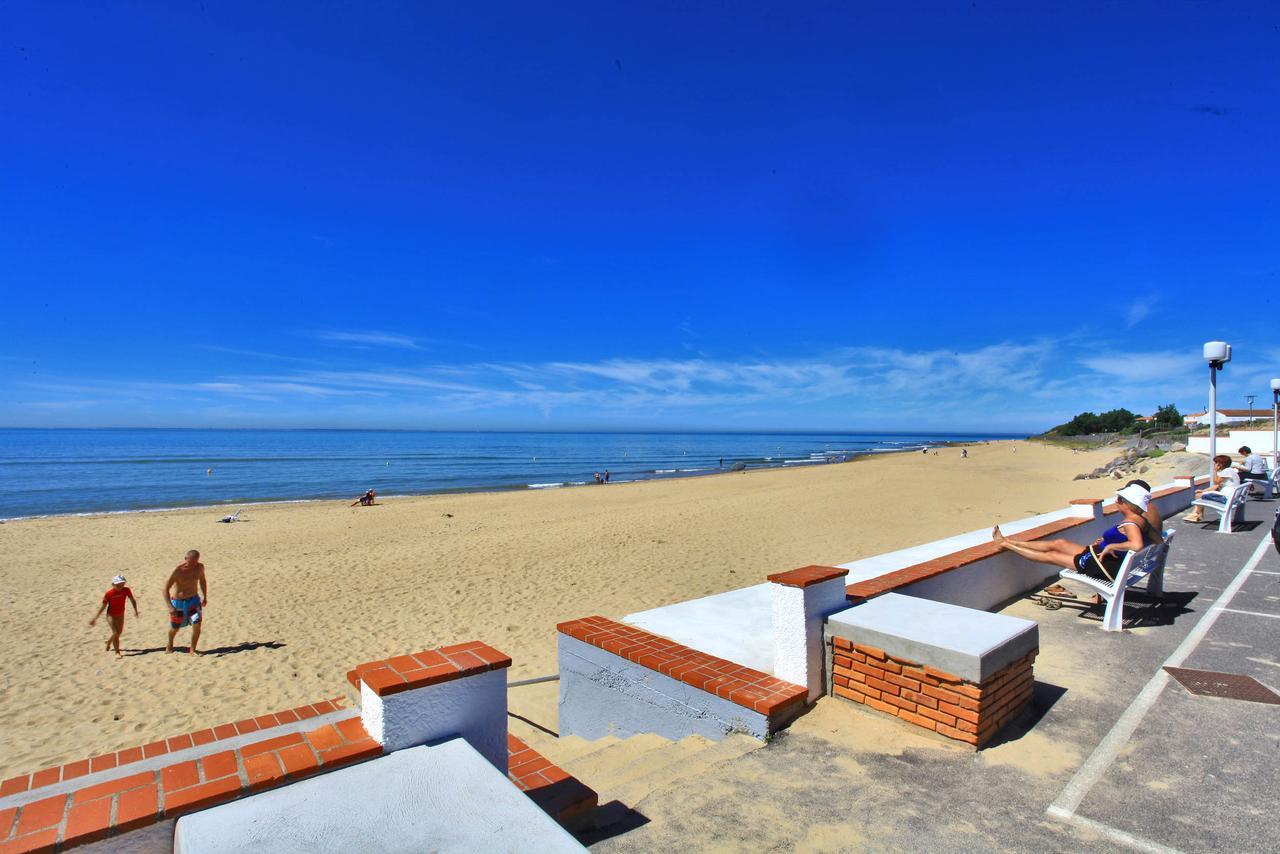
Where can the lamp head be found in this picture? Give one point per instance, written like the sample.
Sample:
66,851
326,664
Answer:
1217,353
1275,385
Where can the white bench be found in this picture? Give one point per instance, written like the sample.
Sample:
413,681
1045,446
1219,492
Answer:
1231,512
1269,485
1146,563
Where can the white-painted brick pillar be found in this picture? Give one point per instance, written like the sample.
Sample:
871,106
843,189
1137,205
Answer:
1087,508
442,693
802,599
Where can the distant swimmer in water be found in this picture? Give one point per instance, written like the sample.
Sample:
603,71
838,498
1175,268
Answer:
366,500
208,472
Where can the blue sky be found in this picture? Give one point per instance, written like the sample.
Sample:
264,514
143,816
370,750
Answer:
633,216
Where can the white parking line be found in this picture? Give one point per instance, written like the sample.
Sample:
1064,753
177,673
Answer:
1087,775
1115,835
1250,613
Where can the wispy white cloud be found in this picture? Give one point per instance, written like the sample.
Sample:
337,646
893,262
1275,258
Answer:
1029,384
1136,366
369,338
1140,310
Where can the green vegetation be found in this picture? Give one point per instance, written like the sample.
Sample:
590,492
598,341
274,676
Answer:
1168,417
1118,421
1086,423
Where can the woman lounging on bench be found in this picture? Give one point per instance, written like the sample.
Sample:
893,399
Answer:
1225,481
1101,558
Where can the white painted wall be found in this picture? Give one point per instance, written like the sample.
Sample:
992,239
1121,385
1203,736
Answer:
1259,440
474,707
798,615
988,583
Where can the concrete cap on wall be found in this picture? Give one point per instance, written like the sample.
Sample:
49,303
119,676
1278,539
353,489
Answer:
429,667
965,642
807,576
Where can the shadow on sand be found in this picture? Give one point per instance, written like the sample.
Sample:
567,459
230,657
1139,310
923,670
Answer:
247,646
1044,695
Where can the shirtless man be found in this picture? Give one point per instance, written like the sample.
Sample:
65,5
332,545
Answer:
185,607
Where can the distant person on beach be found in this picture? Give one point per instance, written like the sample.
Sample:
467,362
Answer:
964,453
366,500
1253,467
185,605
606,475
113,603
722,462
598,478
1225,481
1102,558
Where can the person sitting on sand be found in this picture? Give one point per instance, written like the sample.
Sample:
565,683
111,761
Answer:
186,608
1225,481
113,603
1102,558
366,500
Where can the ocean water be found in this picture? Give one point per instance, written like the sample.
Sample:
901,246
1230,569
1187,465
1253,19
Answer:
45,472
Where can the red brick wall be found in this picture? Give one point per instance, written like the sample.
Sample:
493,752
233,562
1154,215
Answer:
930,698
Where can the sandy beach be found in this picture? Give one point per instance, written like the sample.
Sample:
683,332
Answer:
299,593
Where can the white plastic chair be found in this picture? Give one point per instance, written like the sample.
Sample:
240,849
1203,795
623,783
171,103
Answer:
1146,563
1231,512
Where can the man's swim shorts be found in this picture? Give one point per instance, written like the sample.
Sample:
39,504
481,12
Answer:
188,612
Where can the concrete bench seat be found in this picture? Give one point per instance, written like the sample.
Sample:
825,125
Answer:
960,672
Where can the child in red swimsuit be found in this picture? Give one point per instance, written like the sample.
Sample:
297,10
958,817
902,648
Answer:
113,603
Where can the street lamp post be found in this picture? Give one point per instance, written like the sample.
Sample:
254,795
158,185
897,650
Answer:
1217,354
1275,422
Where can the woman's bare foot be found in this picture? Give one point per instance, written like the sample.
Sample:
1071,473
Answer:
997,537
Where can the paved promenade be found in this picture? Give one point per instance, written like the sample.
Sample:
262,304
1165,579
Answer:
1116,754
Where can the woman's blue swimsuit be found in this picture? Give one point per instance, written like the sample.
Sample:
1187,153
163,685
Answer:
1088,565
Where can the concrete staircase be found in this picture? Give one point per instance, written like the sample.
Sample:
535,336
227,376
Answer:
625,771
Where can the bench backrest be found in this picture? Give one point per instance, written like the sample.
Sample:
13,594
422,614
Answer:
1138,565
1236,499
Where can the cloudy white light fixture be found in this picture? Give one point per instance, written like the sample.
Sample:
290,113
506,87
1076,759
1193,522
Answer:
1217,354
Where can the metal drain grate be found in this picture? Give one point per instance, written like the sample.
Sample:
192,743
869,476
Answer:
1230,686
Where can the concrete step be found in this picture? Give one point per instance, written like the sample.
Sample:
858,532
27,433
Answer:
673,753
598,767
565,750
684,765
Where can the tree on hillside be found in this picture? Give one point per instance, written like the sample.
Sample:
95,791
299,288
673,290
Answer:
1168,416
1108,422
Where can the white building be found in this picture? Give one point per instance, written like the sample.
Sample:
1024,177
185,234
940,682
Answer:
1225,416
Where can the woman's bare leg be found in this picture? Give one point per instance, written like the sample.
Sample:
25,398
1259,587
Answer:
1043,546
1055,558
